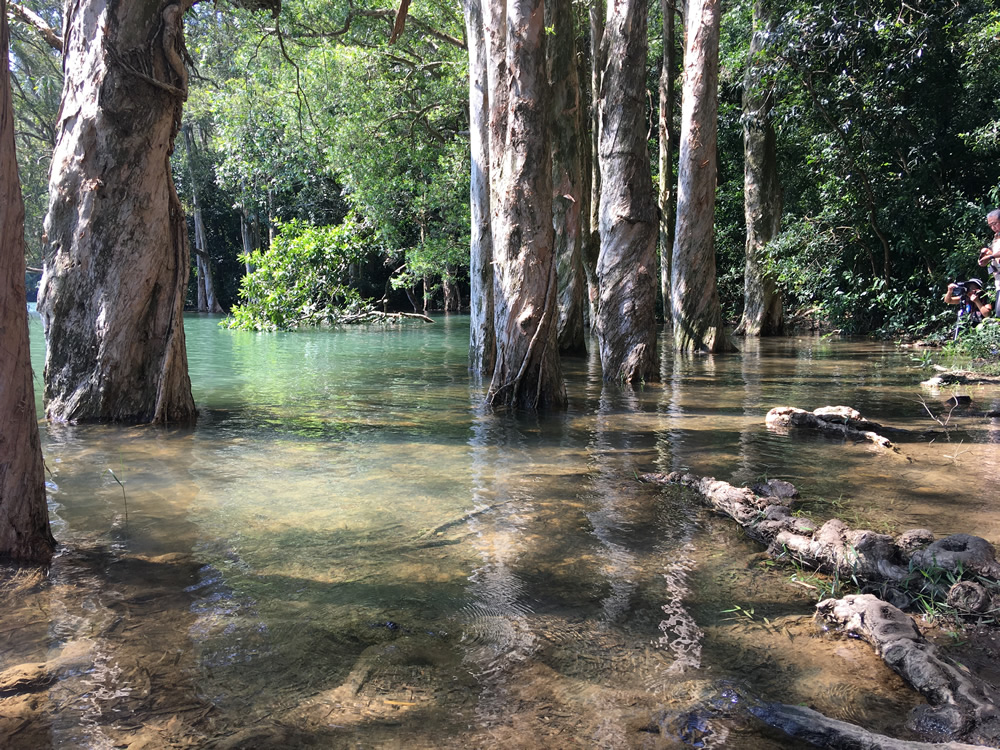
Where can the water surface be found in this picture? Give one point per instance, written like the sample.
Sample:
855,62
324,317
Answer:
349,551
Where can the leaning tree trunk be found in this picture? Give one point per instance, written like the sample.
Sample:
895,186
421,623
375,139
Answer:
527,373
694,295
482,341
763,313
667,138
567,177
24,520
626,267
116,266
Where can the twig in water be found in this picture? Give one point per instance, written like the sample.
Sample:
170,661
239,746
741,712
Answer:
122,485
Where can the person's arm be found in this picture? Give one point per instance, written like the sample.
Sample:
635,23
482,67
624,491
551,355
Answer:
976,299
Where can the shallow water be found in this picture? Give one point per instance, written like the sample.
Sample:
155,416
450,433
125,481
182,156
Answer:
347,551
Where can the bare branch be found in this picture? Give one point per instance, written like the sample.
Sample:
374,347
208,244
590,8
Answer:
28,16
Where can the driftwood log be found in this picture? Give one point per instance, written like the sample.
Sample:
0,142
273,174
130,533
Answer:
873,561
842,421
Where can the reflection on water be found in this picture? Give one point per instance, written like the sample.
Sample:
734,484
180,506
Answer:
348,550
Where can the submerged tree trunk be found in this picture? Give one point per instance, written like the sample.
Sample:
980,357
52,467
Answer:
116,266
527,373
694,295
567,166
482,341
763,314
24,520
626,268
667,138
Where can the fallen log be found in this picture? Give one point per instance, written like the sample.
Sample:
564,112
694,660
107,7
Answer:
892,565
959,706
842,421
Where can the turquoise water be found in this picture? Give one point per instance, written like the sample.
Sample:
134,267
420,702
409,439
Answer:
347,550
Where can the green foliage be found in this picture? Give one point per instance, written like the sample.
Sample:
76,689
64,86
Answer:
981,343
304,278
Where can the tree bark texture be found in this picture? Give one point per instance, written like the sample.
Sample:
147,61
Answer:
694,295
667,138
626,267
762,311
567,174
116,265
482,341
592,238
527,373
24,520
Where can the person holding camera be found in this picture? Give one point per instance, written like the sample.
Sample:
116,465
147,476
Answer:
972,306
989,257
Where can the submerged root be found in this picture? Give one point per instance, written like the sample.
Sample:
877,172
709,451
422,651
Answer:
896,566
837,420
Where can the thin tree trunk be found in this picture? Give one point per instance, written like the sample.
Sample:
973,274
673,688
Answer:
206,280
567,182
246,236
527,372
25,534
694,294
762,310
626,268
116,266
482,340
592,239
667,138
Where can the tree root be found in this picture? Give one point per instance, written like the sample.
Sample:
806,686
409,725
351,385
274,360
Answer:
958,704
839,420
874,561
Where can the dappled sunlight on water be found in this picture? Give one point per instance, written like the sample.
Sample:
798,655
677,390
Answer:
349,551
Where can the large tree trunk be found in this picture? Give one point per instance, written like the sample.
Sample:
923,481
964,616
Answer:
694,295
592,238
626,268
116,266
763,314
667,138
567,178
527,373
24,520
482,340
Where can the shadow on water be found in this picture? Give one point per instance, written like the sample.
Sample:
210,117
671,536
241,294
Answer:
348,551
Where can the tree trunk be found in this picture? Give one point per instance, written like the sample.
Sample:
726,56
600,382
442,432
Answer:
567,198
592,239
667,138
527,373
763,313
24,520
482,340
694,295
626,267
207,301
246,236
116,266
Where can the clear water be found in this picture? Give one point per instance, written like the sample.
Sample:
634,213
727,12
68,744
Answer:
348,551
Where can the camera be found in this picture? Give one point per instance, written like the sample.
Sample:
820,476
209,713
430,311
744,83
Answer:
960,289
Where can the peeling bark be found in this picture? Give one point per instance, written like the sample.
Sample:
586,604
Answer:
567,174
482,340
762,311
626,267
527,373
116,264
694,293
25,534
